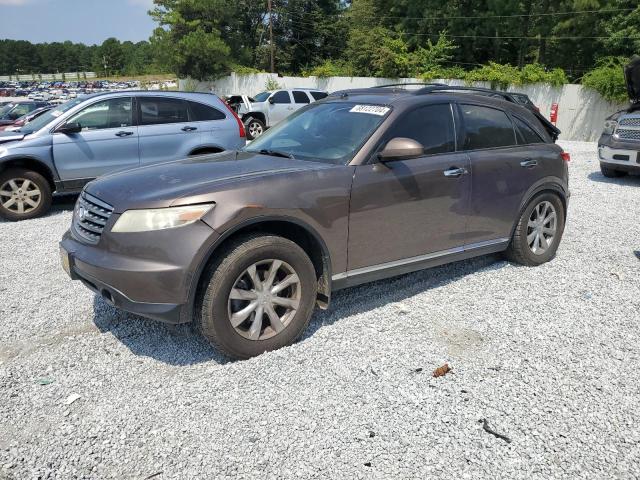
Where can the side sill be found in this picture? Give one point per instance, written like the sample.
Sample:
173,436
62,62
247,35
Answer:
359,276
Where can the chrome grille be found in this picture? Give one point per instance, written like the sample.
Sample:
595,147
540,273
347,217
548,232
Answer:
630,122
626,134
90,217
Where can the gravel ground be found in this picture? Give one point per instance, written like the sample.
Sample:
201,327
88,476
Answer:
550,356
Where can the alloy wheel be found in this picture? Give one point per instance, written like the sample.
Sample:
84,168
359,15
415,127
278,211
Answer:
264,299
20,195
255,129
542,227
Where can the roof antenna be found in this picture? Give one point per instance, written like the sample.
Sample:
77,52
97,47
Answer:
344,95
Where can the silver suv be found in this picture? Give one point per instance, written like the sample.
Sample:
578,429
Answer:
268,108
87,137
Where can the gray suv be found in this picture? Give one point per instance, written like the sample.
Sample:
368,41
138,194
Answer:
68,146
360,186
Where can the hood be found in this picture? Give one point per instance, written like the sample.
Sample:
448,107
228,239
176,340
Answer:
632,77
10,136
6,121
166,184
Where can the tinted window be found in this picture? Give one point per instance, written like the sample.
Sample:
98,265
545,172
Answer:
114,113
431,125
156,110
300,97
262,97
526,134
201,112
318,95
486,128
281,97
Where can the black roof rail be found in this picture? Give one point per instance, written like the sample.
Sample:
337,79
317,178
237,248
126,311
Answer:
445,88
364,90
410,83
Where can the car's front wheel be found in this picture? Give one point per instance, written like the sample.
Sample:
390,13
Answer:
258,296
23,194
611,172
537,235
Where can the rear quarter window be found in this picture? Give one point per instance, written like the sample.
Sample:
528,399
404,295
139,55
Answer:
318,95
199,112
526,134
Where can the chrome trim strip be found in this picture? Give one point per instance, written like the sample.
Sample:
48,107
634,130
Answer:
418,259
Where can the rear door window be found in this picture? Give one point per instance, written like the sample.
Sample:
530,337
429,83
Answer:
431,125
202,113
281,97
486,127
526,134
158,111
300,97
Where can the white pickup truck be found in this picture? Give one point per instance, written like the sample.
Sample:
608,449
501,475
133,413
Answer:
268,108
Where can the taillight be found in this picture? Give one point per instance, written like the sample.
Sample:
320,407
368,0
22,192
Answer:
243,134
565,156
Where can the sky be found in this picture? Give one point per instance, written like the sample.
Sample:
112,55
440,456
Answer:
81,21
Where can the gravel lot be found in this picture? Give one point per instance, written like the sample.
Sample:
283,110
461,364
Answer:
550,356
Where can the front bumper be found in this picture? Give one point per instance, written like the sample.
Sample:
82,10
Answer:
619,155
152,281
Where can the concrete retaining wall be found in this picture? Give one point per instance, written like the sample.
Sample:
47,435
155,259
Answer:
581,111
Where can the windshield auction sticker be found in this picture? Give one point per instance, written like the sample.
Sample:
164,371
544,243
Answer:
370,109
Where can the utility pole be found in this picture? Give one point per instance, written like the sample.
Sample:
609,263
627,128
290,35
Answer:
271,39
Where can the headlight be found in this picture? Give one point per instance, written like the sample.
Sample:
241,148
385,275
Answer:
159,218
609,127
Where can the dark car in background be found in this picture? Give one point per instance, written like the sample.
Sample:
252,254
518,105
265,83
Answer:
24,119
360,186
10,112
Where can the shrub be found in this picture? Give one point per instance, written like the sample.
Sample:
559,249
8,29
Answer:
330,68
608,79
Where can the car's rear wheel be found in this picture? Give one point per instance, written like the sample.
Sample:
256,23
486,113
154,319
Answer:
23,194
254,128
258,296
539,230
611,172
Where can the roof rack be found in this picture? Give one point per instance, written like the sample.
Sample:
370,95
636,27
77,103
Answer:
443,88
412,84
364,90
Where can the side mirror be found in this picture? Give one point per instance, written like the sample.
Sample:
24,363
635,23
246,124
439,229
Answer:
69,128
401,148
271,101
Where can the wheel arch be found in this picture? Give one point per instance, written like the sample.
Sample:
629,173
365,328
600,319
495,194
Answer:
299,232
206,149
546,187
31,164
257,115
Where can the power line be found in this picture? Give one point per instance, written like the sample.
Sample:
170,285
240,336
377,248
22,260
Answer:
474,17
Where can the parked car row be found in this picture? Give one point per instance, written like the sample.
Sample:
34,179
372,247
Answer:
245,243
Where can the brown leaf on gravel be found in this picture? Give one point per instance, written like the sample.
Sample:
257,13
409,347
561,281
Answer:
442,371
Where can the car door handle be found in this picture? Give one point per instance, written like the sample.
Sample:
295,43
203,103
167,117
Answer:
188,129
123,134
455,172
529,163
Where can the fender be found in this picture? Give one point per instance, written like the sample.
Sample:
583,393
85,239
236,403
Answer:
545,184
324,287
30,159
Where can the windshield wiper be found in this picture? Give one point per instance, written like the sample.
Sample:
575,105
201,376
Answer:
276,153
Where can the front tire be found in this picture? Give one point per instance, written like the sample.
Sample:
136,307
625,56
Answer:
539,230
258,296
24,194
611,172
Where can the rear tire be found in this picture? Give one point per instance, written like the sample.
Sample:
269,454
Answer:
235,311
539,230
24,194
611,172
254,128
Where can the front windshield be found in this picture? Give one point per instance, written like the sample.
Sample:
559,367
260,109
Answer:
4,110
47,117
262,96
323,132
